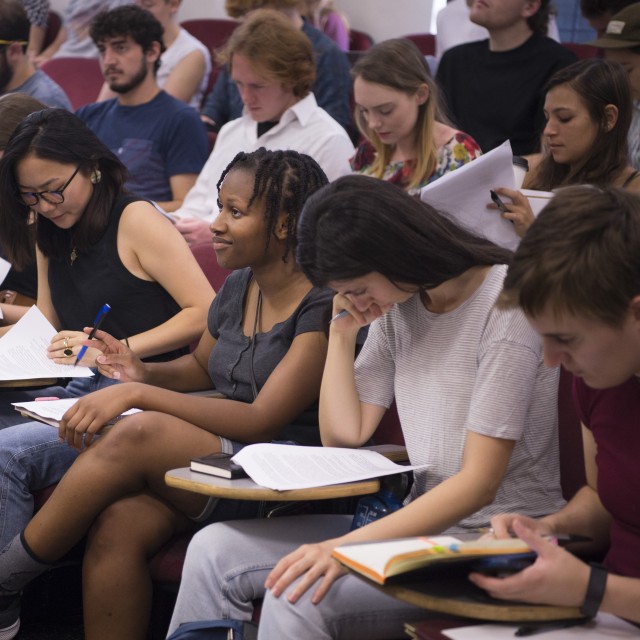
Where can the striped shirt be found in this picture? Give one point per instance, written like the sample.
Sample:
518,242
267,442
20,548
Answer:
474,368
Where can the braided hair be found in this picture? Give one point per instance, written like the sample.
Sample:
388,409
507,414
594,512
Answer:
284,179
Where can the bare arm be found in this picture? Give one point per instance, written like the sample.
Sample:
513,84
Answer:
584,513
36,41
290,389
180,186
152,249
344,420
186,76
51,50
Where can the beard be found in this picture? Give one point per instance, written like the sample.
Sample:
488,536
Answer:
6,73
134,81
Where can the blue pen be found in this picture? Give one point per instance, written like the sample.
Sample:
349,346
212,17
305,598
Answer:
96,325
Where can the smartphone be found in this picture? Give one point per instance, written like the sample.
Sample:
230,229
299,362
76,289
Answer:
496,198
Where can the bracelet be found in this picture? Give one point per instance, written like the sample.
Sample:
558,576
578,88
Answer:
126,341
595,590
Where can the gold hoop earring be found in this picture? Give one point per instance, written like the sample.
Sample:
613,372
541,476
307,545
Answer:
96,176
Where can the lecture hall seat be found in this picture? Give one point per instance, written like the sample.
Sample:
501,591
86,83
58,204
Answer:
80,78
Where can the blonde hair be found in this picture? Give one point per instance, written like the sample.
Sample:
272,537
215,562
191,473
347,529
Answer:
398,64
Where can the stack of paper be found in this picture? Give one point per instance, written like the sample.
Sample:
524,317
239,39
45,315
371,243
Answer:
23,351
283,467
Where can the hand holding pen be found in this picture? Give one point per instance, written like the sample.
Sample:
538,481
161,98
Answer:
96,325
518,211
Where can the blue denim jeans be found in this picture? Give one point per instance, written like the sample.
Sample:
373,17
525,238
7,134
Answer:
31,458
227,564
76,388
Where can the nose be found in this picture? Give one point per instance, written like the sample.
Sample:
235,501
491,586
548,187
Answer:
44,207
217,224
107,57
553,353
360,302
374,121
246,95
549,129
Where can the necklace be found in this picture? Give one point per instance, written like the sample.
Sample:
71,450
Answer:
254,386
73,256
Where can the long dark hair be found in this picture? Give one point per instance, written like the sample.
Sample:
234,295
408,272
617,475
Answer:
598,83
358,225
60,136
285,179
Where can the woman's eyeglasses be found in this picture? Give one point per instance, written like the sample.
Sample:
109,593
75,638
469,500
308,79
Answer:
31,198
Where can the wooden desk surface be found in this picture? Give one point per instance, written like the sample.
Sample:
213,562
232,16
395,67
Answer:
31,382
247,489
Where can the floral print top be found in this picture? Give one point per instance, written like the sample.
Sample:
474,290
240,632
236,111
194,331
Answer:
459,150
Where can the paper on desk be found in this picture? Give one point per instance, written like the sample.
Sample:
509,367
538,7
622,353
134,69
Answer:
464,194
5,267
602,626
23,351
282,467
51,411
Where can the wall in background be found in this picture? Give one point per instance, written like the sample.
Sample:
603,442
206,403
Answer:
383,19
379,18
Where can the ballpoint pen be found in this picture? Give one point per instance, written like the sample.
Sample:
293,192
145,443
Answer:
96,325
342,314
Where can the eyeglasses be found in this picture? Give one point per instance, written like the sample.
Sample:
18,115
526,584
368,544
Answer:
14,42
31,198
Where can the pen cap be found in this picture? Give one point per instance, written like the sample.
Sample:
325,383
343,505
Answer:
520,168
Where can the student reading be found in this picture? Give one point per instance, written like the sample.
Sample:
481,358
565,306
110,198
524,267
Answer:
585,247
264,349
474,399
588,111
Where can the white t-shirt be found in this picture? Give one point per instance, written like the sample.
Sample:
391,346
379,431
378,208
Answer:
304,127
182,46
476,368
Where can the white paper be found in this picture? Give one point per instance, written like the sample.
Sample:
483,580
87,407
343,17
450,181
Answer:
537,199
603,626
282,467
5,267
464,194
23,351
54,409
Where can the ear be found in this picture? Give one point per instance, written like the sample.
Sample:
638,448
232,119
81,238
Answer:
14,52
153,52
422,94
610,117
530,8
280,230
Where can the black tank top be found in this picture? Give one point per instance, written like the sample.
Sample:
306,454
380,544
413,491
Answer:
97,277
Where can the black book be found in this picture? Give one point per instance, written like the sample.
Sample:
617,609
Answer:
218,464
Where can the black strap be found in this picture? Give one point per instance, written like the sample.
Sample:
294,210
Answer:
595,590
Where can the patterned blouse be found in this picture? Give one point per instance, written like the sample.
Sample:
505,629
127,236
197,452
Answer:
459,150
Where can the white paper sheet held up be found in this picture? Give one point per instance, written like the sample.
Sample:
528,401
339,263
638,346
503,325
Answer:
464,195
282,467
603,626
23,351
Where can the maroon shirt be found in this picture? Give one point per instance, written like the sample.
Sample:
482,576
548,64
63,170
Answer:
613,416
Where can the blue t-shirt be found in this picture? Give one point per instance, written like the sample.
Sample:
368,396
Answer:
332,87
155,141
41,87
